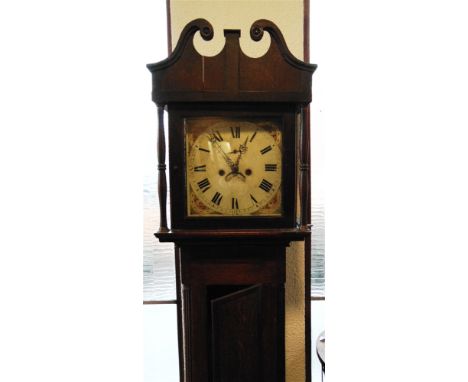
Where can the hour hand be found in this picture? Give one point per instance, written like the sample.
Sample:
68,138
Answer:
242,150
243,147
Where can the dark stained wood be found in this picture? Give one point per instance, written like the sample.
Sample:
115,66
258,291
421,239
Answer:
231,270
180,332
285,113
305,171
308,249
251,266
231,58
233,311
230,360
196,332
308,243
162,183
308,240
306,35
275,77
266,234
185,352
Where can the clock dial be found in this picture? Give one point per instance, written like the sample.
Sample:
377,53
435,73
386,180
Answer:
233,167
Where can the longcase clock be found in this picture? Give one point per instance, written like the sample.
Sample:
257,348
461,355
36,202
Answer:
239,181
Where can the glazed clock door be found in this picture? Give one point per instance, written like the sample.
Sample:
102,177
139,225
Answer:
233,167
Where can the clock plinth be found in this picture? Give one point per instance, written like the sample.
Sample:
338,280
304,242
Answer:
239,189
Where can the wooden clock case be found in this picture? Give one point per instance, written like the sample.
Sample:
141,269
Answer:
231,270
285,113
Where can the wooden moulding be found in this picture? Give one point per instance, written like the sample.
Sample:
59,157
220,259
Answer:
267,235
231,76
162,182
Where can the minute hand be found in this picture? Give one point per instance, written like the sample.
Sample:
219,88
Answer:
226,158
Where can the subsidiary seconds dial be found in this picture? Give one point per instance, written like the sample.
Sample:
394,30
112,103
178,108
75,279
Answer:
234,169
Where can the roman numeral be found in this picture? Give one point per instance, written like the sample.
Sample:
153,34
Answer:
216,135
253,136
217,198
235,131
204,184
254,200
266,185
271,167
265,150
202,149
201,168
235,204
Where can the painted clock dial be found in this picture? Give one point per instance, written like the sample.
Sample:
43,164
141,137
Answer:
233,167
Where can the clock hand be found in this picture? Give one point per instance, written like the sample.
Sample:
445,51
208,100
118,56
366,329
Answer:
226,158
233,166
242,150
235,170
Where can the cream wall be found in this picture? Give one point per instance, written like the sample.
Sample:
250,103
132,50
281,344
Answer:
240,14
289,17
